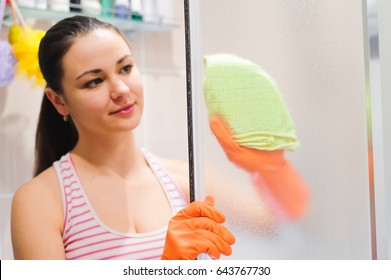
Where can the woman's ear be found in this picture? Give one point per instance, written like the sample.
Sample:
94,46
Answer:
57,101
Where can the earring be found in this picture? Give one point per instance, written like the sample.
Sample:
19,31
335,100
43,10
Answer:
65,118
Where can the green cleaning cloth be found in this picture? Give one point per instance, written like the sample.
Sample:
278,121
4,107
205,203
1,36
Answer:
248,99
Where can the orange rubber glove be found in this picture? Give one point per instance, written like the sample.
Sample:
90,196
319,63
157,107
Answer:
274,175
197,229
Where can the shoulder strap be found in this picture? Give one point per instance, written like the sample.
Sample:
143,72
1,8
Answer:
171,188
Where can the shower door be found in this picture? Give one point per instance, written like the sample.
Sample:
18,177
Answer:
317,53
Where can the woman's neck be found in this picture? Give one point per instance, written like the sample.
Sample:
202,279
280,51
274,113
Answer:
117,153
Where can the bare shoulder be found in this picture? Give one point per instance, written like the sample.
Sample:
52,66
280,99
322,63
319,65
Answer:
37,218
43,188
179,170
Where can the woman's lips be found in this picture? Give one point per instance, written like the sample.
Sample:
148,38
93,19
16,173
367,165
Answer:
125,110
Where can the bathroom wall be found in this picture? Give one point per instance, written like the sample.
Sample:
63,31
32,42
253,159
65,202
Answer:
161,58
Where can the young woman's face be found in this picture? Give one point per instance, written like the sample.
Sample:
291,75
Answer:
102,84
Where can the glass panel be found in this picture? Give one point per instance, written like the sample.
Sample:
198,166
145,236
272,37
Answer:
313,50
383,195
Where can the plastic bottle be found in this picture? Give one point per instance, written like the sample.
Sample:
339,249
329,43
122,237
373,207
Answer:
137,10
75,6
106,8
41,4
122,9
166,11
91,7
150,11
59,5
26,3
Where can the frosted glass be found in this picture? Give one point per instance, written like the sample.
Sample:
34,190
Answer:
314,51
384,195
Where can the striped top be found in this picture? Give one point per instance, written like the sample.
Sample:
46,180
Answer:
87,237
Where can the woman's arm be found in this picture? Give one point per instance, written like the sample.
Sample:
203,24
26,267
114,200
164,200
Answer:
37,219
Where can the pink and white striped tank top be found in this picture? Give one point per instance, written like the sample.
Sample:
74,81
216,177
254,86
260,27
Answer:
87,237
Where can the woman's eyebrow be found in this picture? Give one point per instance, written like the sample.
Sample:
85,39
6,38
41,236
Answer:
123,58
96,71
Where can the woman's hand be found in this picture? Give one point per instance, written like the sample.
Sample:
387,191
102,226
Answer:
274,176
197,229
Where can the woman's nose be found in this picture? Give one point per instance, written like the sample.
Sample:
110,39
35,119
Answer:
120,91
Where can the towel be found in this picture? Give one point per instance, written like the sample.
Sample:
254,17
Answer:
247,98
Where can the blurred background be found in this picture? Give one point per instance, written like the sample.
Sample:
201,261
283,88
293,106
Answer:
157,41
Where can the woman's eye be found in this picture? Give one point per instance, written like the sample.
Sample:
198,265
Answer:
126,69
93,83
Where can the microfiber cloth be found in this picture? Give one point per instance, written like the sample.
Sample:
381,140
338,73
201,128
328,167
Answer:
248,99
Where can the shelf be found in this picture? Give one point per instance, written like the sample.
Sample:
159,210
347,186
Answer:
128,26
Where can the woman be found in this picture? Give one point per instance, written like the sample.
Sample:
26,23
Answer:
103,198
